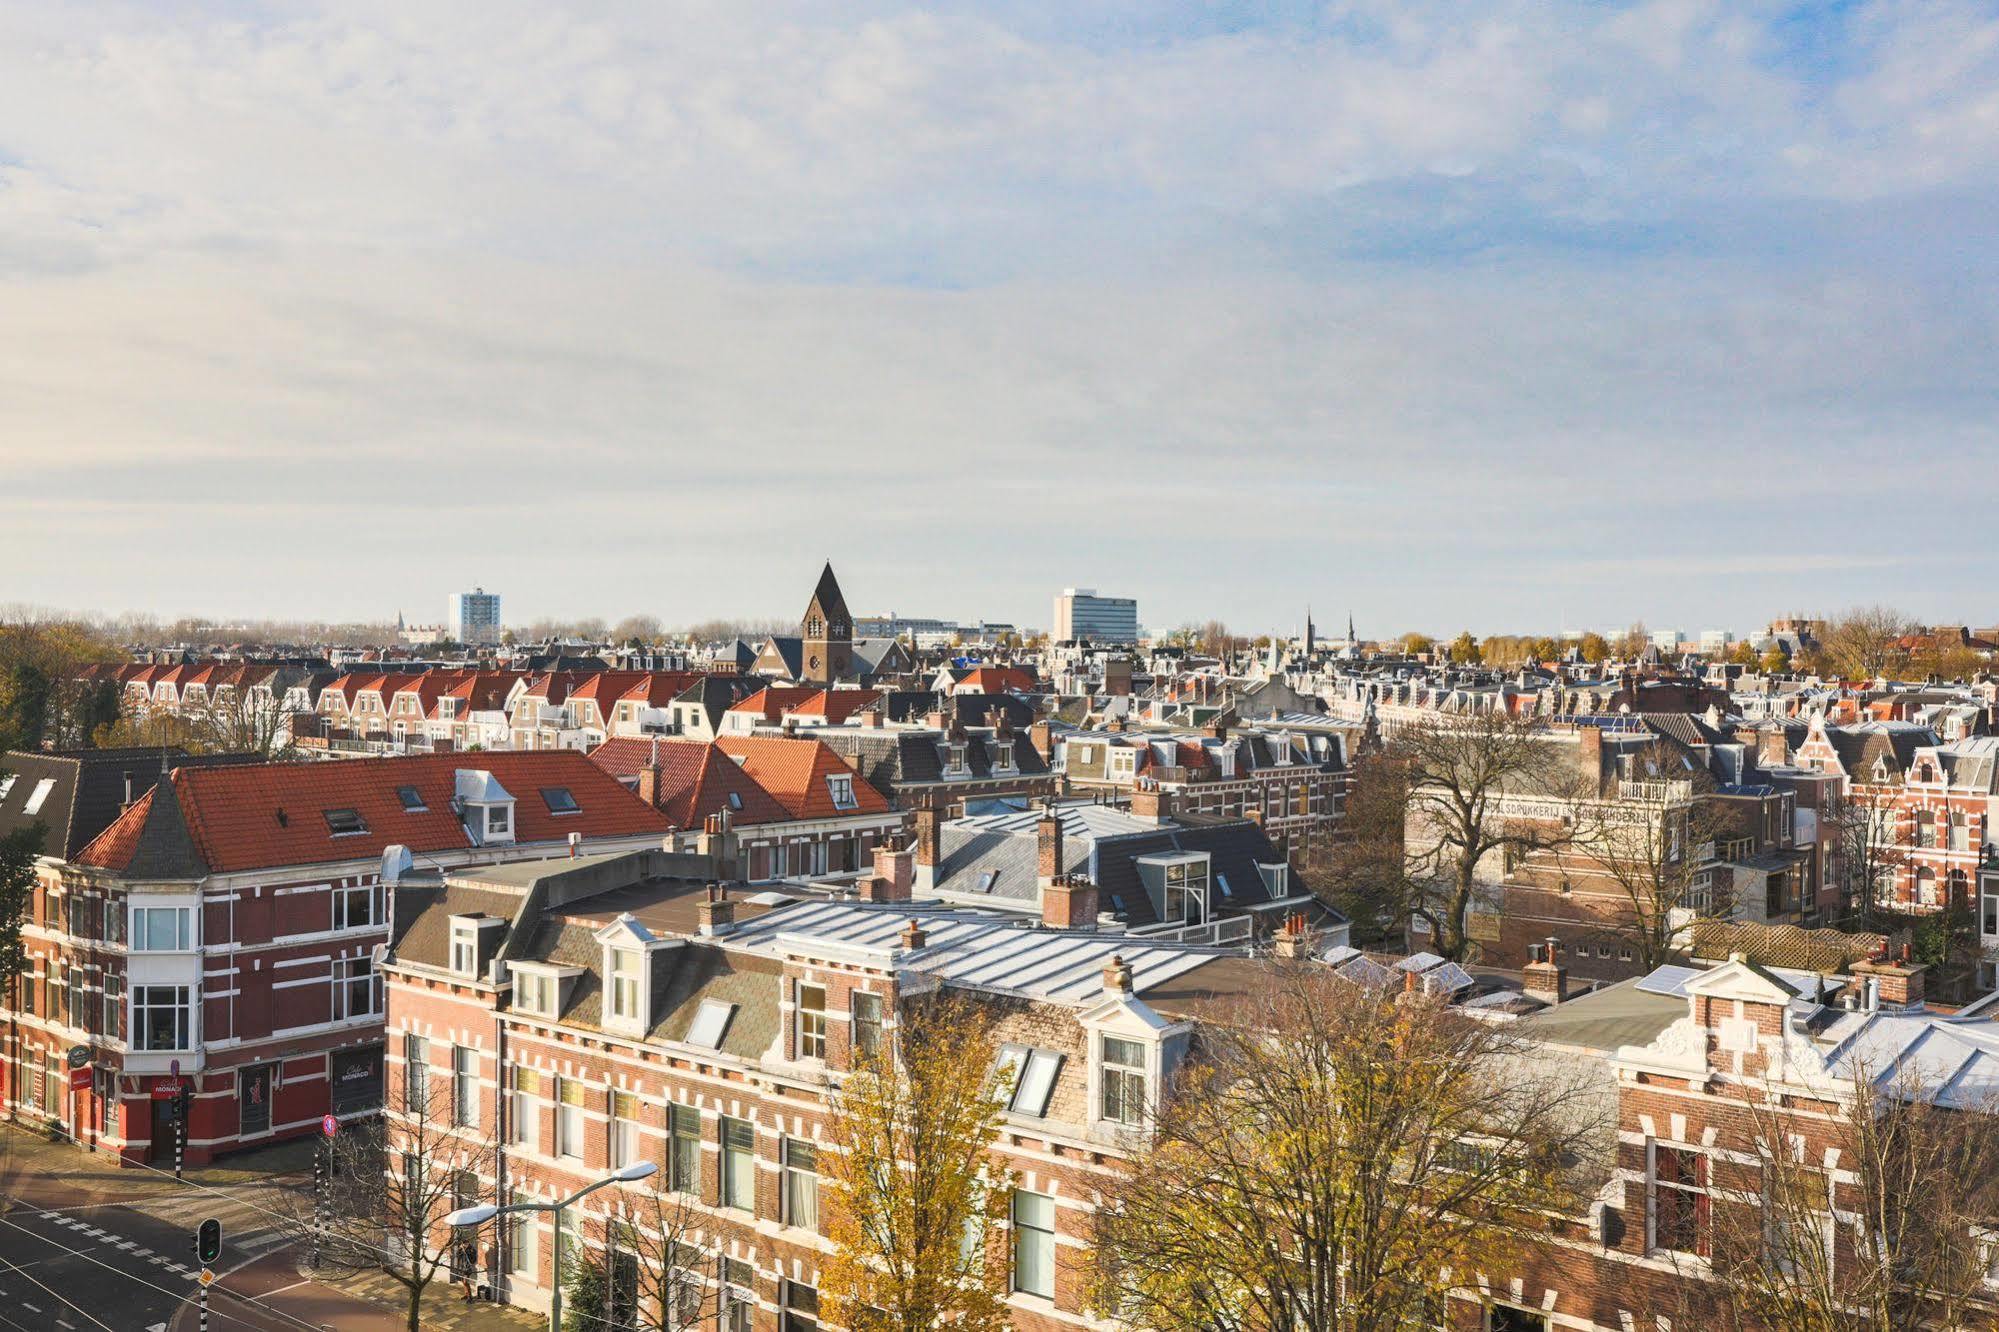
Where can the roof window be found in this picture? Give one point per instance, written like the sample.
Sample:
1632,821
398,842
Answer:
711,1023
39,796
345,822
1033,1078
558,800
412,799
735,800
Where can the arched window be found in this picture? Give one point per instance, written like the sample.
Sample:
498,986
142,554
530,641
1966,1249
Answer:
1926,886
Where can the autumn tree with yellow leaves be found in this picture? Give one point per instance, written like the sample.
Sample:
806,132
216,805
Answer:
1329,1156
917,1197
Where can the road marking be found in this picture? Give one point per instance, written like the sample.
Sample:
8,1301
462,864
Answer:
31,1308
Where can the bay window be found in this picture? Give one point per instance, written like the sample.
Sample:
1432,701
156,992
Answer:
162,929
161,1017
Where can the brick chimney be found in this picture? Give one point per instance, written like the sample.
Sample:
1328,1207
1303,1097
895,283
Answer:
1048,848
913,936
718,844
1069,902
926,828
648,781
1776,748
1044,744
895,874
1293,938
1898,980
1544,978
1589,754
1117,976
717,912
1149,802
936,720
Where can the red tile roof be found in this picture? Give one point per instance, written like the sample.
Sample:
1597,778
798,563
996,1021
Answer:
262,816
696,779
836,705
772,700
996,680
794,771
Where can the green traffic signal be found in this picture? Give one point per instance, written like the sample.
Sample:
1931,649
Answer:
208,1241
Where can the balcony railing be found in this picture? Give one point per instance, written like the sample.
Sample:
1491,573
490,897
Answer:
1657,793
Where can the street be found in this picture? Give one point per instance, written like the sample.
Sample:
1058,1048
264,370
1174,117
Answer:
74,1254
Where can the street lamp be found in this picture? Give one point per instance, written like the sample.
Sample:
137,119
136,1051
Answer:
471,1218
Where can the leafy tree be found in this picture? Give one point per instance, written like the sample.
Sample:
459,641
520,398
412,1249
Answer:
19,850
1775,661
1866,642
1465,650
1595,648
1740,653
1337,1159
918,1198
1415,645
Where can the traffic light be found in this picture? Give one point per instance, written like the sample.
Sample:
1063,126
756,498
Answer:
208,1241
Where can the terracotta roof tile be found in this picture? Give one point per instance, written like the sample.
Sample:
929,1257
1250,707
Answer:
260,816
794,771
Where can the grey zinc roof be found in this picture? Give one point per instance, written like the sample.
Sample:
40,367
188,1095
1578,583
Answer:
975,950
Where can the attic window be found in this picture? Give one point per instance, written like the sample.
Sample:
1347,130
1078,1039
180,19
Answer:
711,1023
1032,1075
842,791
987,880
345,822
558,800
412,800
735,800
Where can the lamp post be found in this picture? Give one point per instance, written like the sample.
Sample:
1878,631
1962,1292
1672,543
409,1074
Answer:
470,1218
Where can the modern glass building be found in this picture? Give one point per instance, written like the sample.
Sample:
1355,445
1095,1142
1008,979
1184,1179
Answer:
1082,615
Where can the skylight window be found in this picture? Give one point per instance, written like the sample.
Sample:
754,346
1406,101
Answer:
412,799
345,822
711,1023
38,796
558,800
987,880
1024,1077
735,800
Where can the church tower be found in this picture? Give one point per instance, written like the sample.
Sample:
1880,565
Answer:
827,651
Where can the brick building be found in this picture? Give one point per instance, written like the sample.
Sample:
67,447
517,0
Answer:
223,927
622,1008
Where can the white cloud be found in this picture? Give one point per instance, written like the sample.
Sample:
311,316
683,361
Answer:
648,306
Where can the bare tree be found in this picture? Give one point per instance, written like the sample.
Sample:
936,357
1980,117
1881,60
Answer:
1481,784
1870,854
1887,1224
1328,1154
1651,847
392,1182
1363,871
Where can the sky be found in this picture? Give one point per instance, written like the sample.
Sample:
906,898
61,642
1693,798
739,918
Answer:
1507,316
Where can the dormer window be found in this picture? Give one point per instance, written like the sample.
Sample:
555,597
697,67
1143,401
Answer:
958,750
1123,1097
1187,891
535,992
499,820
1003,755
464,950
627,968
842,790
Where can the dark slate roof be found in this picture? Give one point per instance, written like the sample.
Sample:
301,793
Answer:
1235,850
890,760
424,912
89,791
1859,747
790,651
164,848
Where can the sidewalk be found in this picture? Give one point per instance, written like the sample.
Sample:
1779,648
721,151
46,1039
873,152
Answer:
58,1174
269,1295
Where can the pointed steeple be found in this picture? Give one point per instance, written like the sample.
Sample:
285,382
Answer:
828,632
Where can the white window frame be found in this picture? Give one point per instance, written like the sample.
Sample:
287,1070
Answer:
350,973
625,972
1040,1237
139,937
464,950
465,1086
1123,1075
811,1021
143,1001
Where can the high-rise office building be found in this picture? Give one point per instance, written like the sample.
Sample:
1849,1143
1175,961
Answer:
475,616
1082,615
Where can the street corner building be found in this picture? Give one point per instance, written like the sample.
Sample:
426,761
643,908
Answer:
210,950
590,1015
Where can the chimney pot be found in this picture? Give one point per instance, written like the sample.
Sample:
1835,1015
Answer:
1117,976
